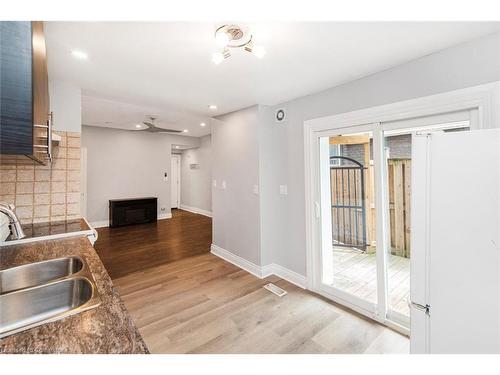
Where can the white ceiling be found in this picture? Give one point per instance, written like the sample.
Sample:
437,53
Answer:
138,68
99,111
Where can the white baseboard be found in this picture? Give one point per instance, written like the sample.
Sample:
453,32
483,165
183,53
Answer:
195,210
260,272
285,274
99,224
236,260
105,223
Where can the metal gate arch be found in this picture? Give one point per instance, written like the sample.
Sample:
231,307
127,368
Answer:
348,203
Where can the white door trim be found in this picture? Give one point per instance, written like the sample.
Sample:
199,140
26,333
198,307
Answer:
481,97
178,157
478,100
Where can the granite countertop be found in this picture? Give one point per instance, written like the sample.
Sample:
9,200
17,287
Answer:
105,329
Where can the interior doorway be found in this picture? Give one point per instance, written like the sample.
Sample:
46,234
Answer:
175,181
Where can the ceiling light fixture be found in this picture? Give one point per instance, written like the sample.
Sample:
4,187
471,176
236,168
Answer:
138,126
203,124
185,131
176,146
79,55
233,36
213,107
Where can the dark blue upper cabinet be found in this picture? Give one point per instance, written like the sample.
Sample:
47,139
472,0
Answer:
16,88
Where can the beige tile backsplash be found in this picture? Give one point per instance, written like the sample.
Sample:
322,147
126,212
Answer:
45,193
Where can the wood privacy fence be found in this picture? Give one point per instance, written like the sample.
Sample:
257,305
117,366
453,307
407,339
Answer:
348,224
399,177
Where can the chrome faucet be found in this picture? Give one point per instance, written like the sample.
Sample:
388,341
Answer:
15,225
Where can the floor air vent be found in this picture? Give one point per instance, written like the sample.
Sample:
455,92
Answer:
275,289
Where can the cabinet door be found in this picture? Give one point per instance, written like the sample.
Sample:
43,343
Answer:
16,110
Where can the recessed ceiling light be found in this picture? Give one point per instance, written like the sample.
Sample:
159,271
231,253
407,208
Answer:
212,107
79,55
185,131
203,124
138,126
176,146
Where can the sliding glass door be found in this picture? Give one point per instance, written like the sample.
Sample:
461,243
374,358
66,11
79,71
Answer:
349,217
397,144
365,185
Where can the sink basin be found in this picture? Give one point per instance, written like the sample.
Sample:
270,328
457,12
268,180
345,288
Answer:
33,274
30,307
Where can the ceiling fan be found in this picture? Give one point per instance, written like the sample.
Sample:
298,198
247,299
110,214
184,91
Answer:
152,128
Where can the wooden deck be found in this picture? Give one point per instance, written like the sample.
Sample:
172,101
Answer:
355,273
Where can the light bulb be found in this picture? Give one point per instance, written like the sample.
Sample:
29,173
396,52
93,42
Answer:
203,124
259,51
222,39
217,58
79,55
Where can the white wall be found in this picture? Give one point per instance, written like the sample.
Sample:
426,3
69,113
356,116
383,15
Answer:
281,219
66,104
235,209
196,184
127,164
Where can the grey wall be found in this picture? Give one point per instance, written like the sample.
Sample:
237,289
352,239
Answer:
127,164
280,219
235,158
272,173
196,184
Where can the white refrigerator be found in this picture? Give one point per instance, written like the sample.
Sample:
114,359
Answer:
455,264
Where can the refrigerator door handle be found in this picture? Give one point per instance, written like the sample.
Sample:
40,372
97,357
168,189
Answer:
418,306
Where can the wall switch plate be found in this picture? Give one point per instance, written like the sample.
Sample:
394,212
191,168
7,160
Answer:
165,176
256,189
224,184
283,189
214,183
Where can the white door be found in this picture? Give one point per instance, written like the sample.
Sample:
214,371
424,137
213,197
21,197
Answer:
456,252
175,180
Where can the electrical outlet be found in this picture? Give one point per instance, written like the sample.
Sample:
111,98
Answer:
214,183
283,189
163,209
224,184
256,189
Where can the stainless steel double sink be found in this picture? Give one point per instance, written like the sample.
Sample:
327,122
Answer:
43,292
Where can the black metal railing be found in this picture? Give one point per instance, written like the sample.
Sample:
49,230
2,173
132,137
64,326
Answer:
347,181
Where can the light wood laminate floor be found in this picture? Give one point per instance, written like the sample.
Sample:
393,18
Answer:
202,304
